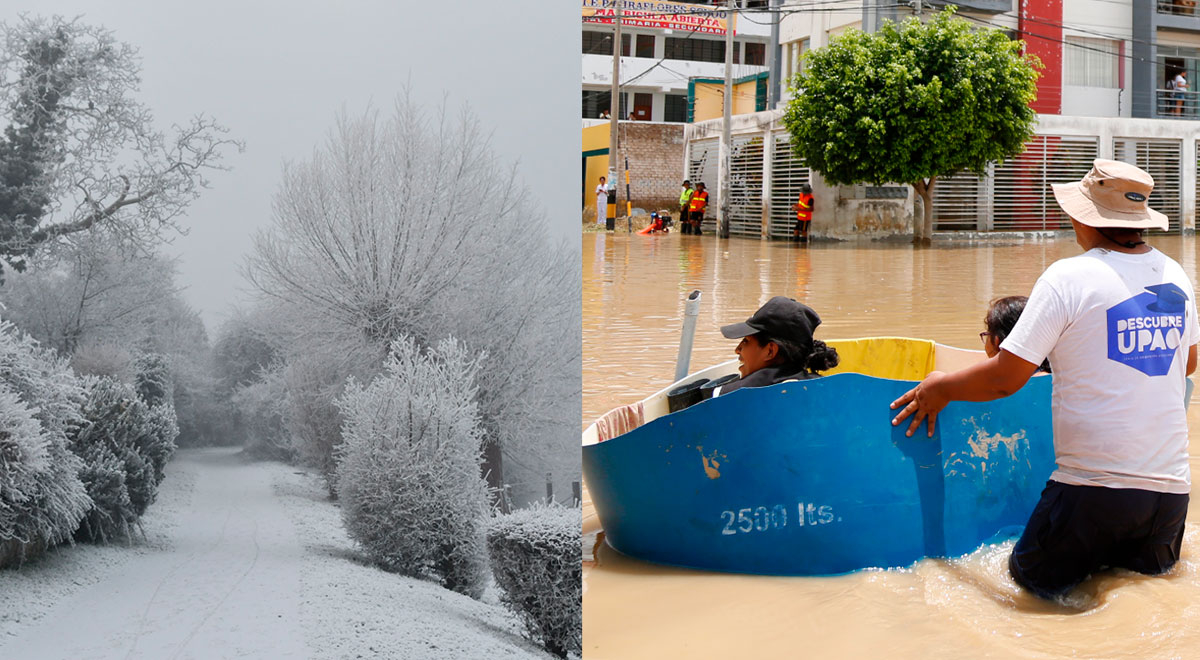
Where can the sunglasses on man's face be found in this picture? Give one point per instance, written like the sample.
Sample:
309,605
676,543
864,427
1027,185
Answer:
983,336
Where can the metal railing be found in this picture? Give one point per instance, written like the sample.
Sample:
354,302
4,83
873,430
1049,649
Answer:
1176,104
1179,7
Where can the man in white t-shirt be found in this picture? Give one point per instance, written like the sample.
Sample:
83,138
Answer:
601,202
1118,323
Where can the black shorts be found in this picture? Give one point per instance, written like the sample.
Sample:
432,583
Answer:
1075,531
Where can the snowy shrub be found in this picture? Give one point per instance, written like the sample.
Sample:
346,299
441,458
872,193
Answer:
121,444
41,496
408,472
157,445
536,559
152,379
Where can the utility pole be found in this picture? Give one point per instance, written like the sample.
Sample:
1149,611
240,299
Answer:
773,55
614,109
726,145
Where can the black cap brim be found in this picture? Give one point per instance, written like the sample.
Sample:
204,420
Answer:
738,330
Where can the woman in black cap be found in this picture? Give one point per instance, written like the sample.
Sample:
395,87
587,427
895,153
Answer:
777,345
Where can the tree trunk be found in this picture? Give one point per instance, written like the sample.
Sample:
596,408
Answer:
923,229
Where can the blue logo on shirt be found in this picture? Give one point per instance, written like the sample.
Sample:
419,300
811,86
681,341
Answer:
1144,331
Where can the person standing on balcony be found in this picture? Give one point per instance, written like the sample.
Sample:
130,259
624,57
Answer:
1180,86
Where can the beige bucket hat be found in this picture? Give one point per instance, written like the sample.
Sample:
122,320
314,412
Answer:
1113,194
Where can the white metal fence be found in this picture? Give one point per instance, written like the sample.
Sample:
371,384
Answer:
1012,196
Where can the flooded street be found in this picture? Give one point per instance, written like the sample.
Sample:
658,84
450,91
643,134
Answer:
633,300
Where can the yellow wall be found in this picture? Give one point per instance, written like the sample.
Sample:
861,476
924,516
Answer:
594,137
710,99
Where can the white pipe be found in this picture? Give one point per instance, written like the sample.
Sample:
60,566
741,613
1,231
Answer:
690,312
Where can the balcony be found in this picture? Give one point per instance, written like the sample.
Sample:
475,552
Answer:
1177,7
1172,104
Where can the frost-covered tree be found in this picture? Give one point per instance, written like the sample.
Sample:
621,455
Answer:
242,351
94,290
408,226
152,379
408,472
104,304
80,151
41,496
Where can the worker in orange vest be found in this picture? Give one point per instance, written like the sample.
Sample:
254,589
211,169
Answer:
696,207
804,211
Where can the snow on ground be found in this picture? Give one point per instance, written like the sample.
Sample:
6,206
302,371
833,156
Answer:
240,559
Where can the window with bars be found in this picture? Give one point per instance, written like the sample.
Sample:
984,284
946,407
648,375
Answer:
675,108
600,43
756,54
596,102
645,45
1089,62
694,50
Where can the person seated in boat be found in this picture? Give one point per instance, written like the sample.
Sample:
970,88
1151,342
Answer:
1001,316
777,344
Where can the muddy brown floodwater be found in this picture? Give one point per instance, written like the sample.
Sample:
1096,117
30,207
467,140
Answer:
633,297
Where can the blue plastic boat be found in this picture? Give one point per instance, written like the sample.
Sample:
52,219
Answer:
810,477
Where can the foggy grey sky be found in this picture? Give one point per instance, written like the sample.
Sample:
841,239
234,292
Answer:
277,73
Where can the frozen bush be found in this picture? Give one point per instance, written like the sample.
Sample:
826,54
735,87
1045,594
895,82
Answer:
536,559
157,445
112,515
152,379
25,469
41,497
121,443
408,473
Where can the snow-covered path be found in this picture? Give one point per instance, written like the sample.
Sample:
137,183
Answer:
228,583
242,560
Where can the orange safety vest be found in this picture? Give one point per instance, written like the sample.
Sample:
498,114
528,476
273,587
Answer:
804,212
699,201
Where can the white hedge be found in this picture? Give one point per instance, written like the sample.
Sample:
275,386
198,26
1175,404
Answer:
409,467
41,496
537,560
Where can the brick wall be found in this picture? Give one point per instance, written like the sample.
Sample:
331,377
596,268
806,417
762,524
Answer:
655,153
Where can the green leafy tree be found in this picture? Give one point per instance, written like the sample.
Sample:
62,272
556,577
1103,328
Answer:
913,102
78,151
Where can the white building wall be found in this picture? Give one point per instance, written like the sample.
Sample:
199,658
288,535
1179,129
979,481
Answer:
658,77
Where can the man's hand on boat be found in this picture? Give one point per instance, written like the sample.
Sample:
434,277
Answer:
993,378
923,402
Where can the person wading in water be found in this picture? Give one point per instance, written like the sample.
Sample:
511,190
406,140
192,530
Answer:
1118,324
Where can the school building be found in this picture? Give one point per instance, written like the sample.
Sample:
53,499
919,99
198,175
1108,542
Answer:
1105,92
